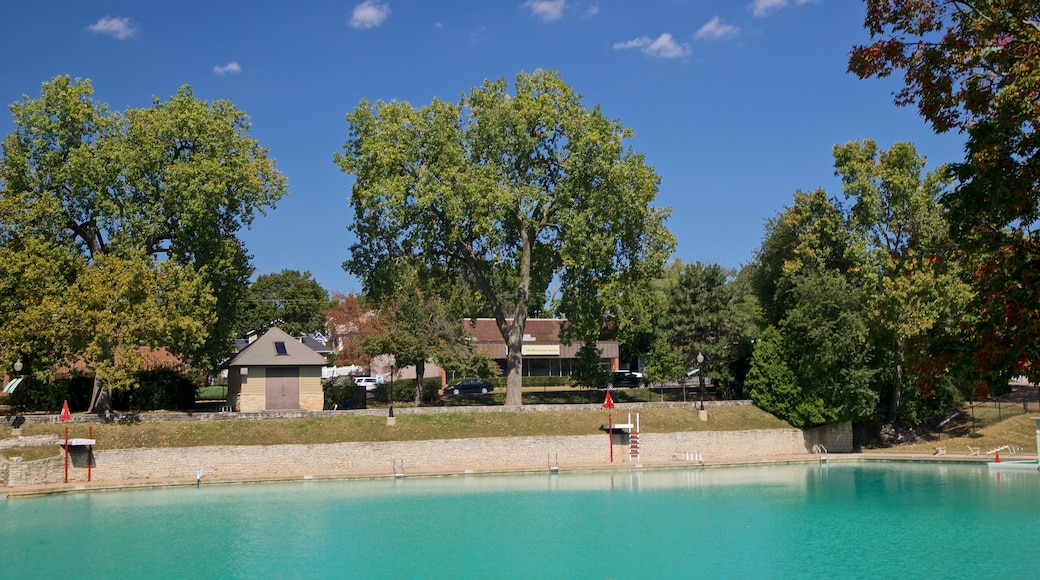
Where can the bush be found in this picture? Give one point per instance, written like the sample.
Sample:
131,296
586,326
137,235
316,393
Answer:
157,389
537,382
36,396
343,391
404,390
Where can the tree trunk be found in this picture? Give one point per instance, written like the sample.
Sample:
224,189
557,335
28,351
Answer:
514,335
419,373
897,391
100,399
94,396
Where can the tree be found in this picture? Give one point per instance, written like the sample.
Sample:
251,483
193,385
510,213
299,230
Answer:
588,366
34,279
294,302
416,329
886,254
507,192
813,368
900,230
170,184
701,319
974,66
772,384
815,330
119,305
351,323
810,234
666,363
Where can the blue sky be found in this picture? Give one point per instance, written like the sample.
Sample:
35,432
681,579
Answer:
736,103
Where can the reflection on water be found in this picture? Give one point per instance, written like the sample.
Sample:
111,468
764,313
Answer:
864,519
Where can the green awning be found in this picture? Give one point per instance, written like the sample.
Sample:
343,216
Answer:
11,386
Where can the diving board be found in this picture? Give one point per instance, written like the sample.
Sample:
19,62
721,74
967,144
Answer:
77,442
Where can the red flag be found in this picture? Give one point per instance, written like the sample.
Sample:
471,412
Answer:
608,403
65,415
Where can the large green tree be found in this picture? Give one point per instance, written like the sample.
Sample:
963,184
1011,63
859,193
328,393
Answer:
813,368
701,319
885,256
810,234
974,66
169,186
290,300
508,191
120,304
900,231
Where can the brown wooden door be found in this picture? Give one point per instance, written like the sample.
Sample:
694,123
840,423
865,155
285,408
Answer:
283,388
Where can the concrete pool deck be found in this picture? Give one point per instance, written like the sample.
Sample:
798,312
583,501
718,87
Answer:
206,465
618,466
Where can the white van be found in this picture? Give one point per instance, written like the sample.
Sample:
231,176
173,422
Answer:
370,383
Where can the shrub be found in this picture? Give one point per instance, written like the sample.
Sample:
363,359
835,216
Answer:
157,389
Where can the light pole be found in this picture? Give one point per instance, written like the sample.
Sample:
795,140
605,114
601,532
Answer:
700,375
390,419
18,366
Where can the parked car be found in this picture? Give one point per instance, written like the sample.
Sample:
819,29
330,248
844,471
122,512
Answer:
621,379
370,383
469,386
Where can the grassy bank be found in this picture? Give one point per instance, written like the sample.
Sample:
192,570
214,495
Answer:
981,426
985,427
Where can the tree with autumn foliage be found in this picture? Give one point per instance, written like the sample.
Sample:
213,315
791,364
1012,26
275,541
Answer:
974,66
350,323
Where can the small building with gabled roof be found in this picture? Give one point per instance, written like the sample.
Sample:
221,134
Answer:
275,372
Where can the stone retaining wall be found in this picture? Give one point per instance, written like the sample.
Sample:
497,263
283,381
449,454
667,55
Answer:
439,456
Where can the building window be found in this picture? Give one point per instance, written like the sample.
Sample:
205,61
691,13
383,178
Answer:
279,348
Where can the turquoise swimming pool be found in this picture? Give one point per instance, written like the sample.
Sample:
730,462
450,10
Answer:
864,520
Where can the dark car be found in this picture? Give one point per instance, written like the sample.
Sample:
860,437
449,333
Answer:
469,386
622,379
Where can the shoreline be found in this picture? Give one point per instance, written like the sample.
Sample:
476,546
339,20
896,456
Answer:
30,491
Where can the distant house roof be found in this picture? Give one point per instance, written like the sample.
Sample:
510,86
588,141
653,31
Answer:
316,344
153,359
276,349
535,329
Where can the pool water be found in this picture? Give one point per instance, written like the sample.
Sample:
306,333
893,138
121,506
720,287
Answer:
865,520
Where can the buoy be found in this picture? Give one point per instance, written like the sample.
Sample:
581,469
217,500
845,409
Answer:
998,457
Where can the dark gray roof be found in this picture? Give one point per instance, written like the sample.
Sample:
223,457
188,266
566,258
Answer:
315,344
263,352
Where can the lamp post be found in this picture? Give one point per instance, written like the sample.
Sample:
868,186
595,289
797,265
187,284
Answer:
700,364
390,419
18,366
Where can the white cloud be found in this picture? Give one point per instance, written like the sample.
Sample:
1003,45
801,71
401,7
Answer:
761,8
663,46
118,26
547,10
231,67
592,11
369,14
714,29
